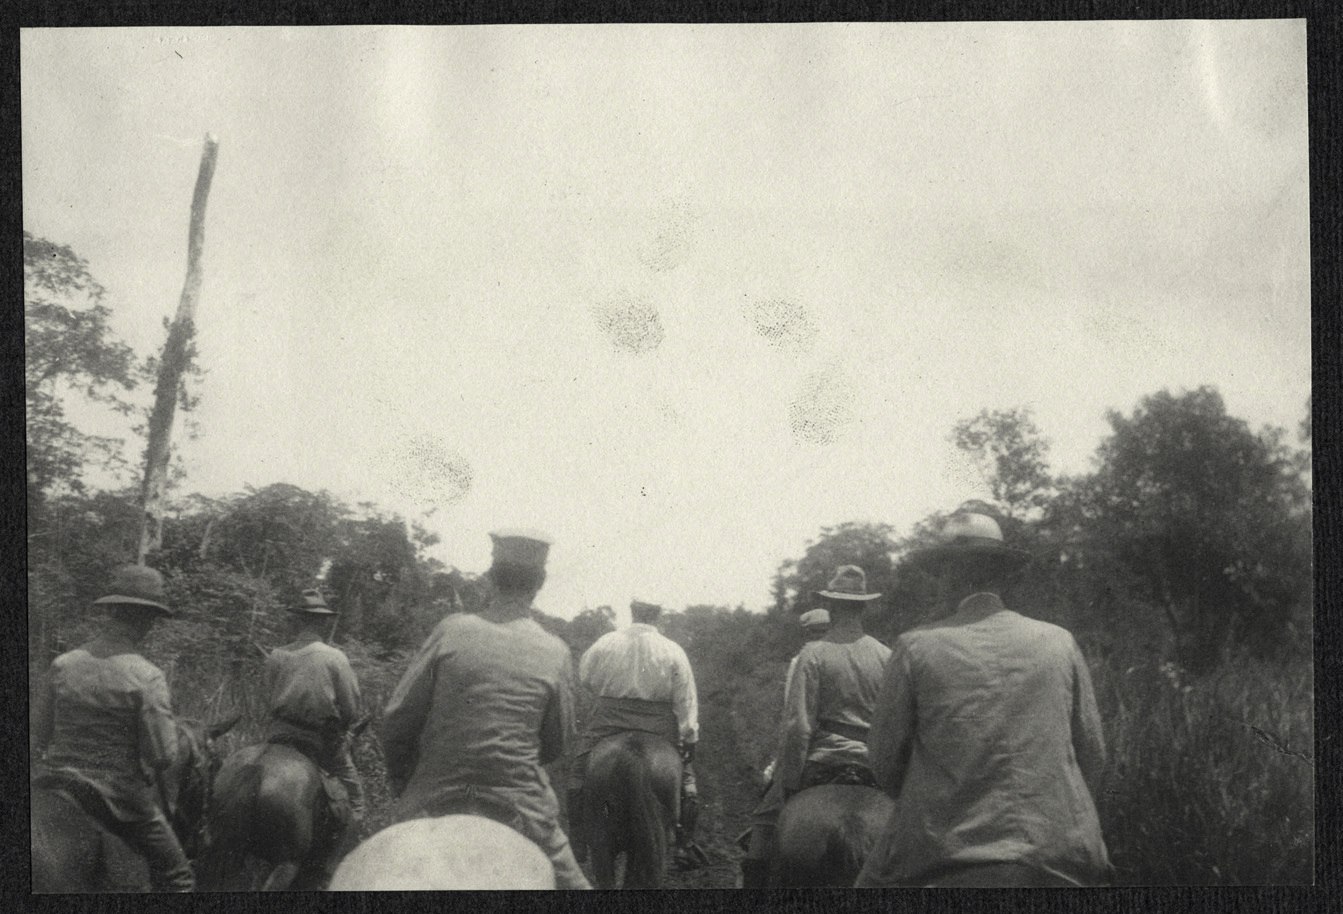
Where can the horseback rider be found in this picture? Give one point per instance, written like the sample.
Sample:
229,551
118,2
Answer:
314,699
987,736
829,700
815,623
643,683
105,722
484,705
755,841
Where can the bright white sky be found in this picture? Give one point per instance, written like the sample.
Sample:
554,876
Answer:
430,248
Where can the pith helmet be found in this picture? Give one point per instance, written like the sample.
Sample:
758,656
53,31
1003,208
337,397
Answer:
136,585
973,537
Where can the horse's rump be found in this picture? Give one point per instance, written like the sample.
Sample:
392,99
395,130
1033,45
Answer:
73,852
445,853
825,833
270,804
632,798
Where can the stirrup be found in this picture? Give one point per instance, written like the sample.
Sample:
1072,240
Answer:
690,856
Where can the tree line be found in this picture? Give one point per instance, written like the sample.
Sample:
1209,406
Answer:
1190,535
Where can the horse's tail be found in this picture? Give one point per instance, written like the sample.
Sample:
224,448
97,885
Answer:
646,827
846,849
232,819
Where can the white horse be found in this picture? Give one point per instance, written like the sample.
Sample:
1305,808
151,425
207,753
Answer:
445,853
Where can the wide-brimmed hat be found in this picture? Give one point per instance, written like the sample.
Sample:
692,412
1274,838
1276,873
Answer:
813,618
849,585
525,548
972,537
136,585
312,603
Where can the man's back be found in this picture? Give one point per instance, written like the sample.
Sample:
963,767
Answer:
1003,725
846,678
635,662
312,684
108,714
477,706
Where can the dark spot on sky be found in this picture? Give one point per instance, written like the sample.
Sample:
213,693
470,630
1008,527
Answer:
822,407
630,322
784,324
669,245
428,471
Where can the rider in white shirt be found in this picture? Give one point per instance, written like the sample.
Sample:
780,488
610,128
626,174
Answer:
643,683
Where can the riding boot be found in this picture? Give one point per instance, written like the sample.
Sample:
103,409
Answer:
754,873
577,825
689,854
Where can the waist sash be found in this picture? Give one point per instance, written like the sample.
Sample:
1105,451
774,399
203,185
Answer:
849,731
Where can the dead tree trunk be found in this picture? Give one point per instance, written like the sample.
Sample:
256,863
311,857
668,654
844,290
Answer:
176,358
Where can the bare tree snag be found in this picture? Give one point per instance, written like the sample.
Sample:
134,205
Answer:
176,356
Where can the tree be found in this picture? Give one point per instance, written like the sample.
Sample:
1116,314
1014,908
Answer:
1211,518
1012,456
70,348
589,625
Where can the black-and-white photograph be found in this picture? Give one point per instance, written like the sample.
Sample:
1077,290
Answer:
668,456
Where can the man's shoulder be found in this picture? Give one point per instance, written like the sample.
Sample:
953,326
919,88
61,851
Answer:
131,665
608,642
331,654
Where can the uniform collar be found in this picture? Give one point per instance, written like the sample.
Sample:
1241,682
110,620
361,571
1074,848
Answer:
979,605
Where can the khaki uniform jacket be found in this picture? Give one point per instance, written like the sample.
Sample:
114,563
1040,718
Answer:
104,713
986,734
830,682
312,686
483,704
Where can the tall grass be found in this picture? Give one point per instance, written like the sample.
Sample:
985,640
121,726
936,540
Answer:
1210,781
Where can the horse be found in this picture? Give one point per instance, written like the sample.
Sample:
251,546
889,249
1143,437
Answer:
825,833
270,826
444,853
632,801
73,851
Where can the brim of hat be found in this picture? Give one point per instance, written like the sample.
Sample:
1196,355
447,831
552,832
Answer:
1005,555
848,597
117,599
314,611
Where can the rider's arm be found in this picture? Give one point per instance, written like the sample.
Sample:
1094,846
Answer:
799,721
684,699
1088,736
348,701
157,726
405,714
891,736
557,725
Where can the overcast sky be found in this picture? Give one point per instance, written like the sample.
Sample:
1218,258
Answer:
682,295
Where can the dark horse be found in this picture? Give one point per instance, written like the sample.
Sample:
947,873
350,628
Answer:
632,800
72,851
825,833
271,826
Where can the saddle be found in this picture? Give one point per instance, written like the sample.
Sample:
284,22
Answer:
474,801
814,775
97,800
